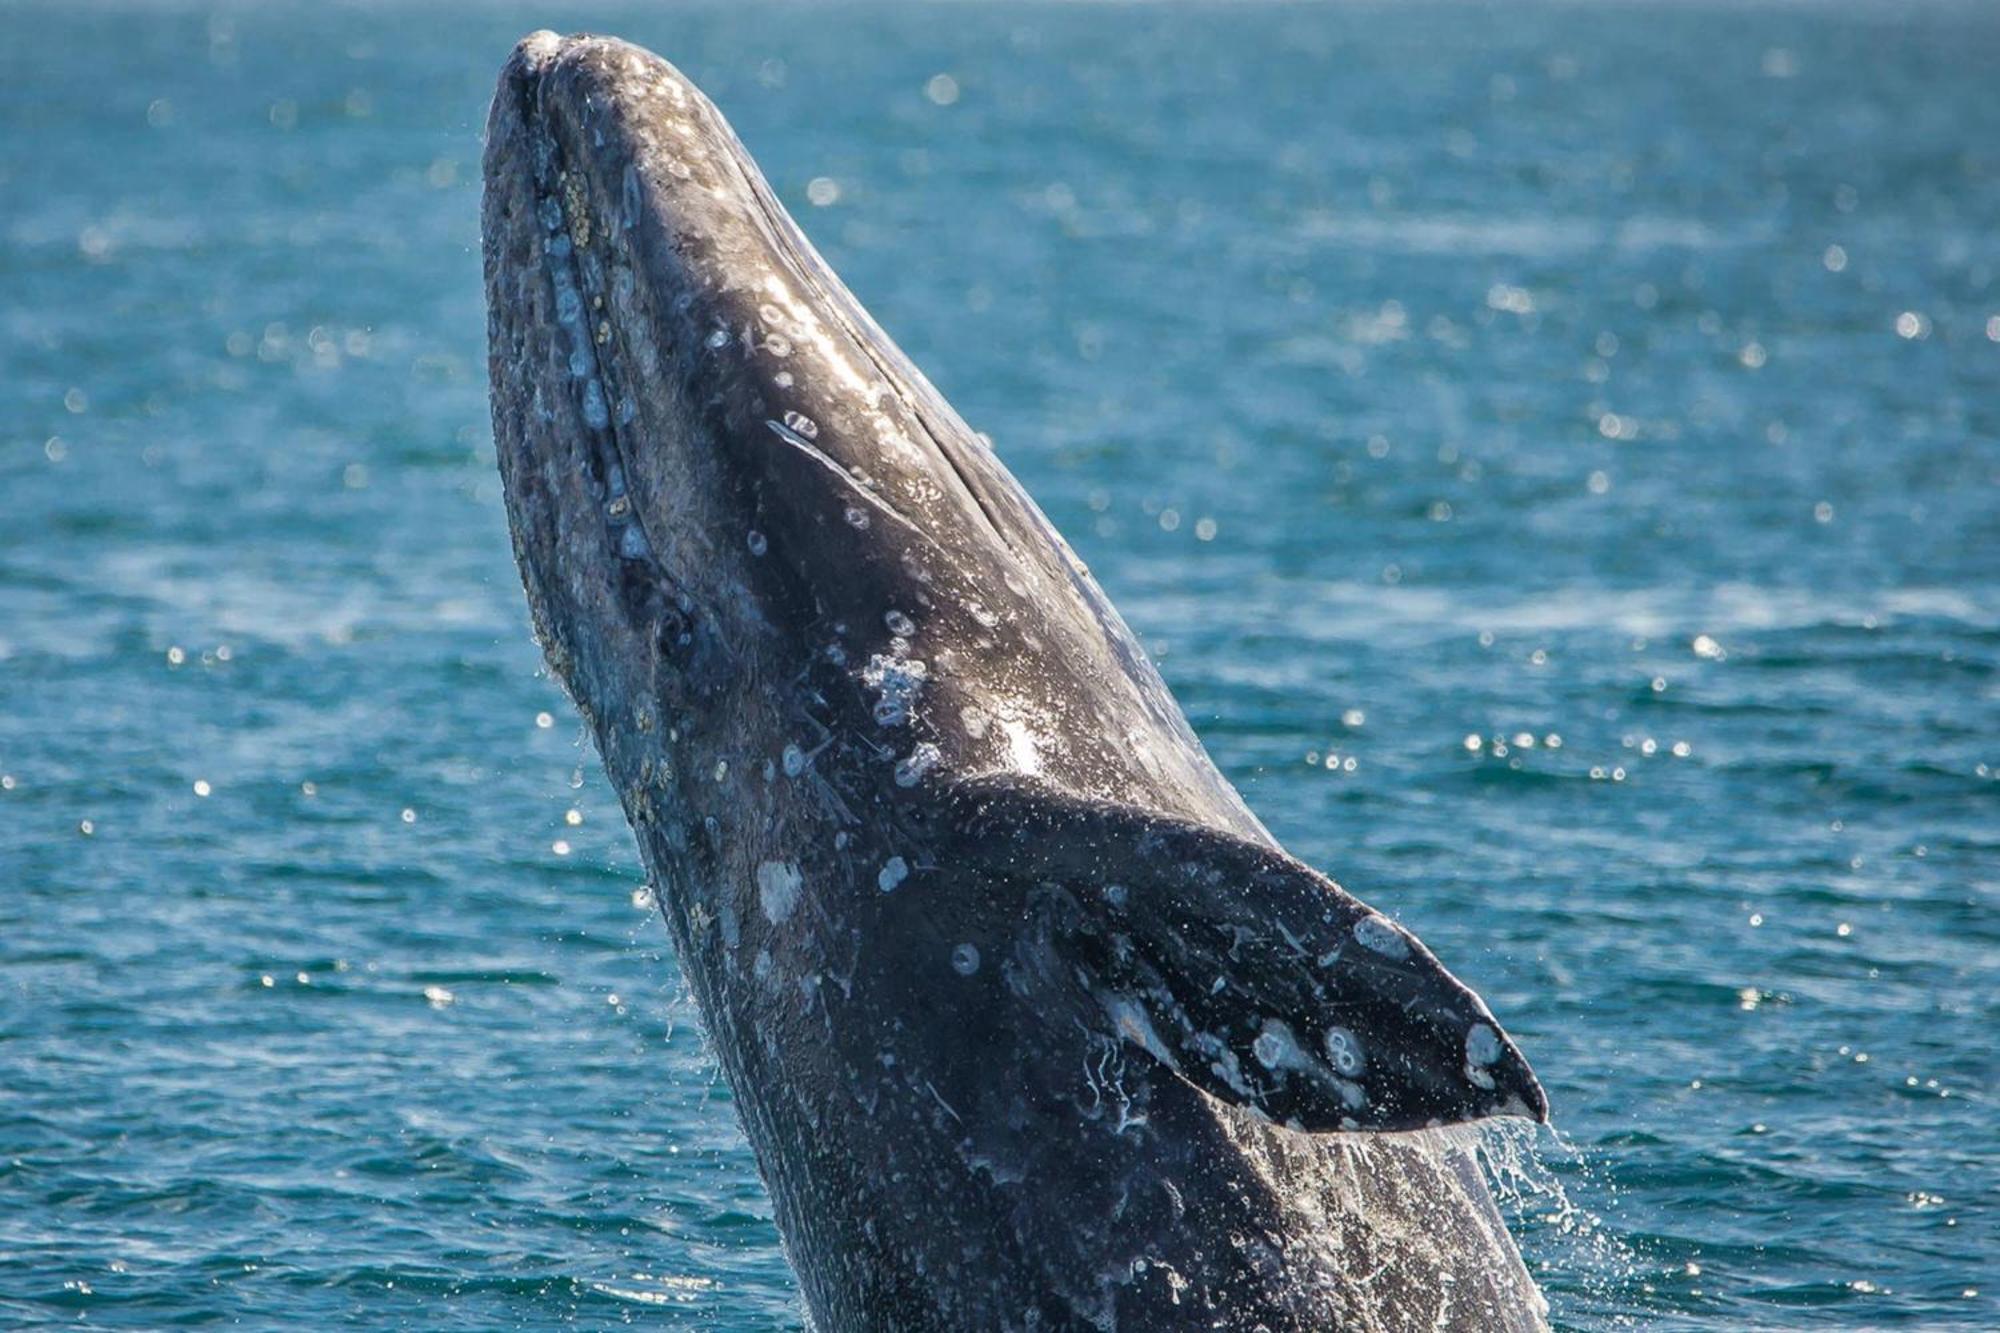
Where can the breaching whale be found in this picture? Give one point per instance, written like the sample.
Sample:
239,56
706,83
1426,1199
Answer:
1030,1022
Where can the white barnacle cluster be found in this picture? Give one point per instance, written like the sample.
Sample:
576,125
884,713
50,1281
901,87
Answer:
1343,1049
1278,1049
558,246
921,760
897,681
788,323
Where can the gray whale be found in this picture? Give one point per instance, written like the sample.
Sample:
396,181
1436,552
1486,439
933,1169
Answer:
1030,1022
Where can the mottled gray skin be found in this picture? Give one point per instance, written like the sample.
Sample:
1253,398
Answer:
1030,1022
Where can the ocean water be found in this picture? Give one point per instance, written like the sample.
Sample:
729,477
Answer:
1552,450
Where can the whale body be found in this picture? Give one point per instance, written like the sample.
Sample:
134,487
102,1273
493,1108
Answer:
1030,1022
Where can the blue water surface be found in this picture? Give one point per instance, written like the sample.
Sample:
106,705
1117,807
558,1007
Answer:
1552,450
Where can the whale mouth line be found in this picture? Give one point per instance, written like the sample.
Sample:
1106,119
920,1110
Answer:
861,489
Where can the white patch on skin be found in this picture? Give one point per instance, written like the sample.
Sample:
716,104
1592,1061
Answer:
1223,1062
1482,1045
1343,1048
920,761
569,302
894,871
1379,934
1133,1025
778,884
897,682
1276,1047
965,959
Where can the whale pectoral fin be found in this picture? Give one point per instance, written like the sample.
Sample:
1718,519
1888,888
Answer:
1251,975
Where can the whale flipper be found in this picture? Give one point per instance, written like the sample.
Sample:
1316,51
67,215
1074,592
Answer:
1247,972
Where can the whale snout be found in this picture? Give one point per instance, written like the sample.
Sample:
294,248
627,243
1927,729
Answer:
611,71
610,493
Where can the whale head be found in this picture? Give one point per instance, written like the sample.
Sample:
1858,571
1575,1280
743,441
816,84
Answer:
718,470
